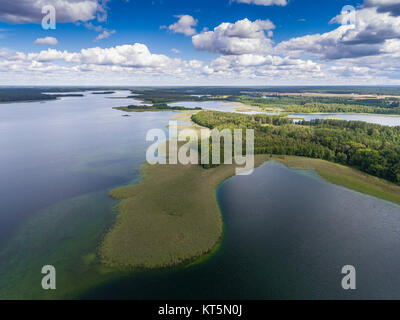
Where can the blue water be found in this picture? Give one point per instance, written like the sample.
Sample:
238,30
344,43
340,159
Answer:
55,150
286,236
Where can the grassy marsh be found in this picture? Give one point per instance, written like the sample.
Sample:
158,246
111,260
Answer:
172,216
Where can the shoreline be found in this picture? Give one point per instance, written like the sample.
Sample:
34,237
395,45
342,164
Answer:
358,182
242,107
185,245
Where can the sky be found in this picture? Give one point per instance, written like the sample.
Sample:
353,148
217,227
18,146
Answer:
193,42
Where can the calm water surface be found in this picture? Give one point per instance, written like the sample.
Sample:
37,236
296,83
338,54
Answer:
58,161
287,234
51,151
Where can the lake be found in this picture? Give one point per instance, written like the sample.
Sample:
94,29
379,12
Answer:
59,159
223,106
287,236
287,233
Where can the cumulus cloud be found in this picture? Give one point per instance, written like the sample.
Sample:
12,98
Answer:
137,55
126,64
136,65
373,29
133,56
241,37
185,25
365,53
47,41
253,65
391,6
30,11
264,2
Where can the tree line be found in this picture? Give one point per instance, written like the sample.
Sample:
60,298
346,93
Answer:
371,148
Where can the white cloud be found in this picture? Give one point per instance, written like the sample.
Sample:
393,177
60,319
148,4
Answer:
252,65
391,6
131,56
105,34
367,54
30,11
241,37
47,41
264,2
195,64
175,50
91,26
373,29
136,65
185,25
136,55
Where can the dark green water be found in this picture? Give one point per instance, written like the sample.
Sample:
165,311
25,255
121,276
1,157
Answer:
287,236
58,161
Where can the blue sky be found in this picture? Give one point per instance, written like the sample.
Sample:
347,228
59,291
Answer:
140,21
283,42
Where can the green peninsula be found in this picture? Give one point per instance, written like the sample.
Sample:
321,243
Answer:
172,216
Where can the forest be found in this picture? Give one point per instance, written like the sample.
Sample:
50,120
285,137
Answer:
371,148
301,104
14,94
277,99
393,108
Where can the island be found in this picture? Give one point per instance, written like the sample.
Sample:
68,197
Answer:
103,92
152,108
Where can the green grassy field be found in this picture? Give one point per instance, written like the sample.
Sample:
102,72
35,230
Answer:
169,218
345,176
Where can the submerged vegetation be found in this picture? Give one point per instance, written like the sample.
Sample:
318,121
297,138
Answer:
172,215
